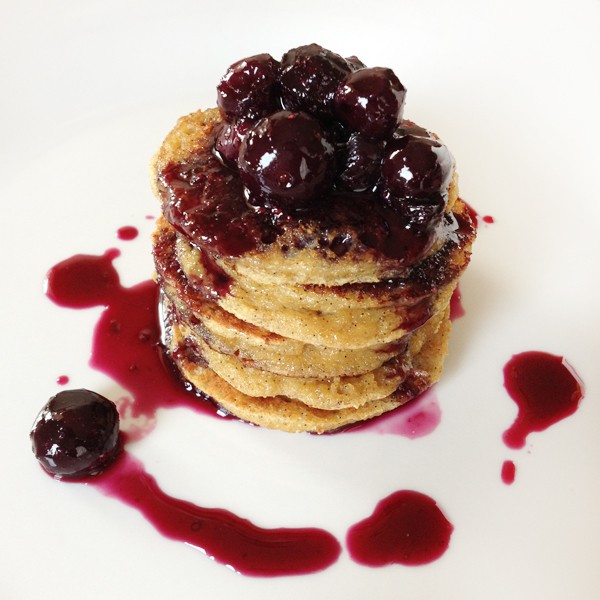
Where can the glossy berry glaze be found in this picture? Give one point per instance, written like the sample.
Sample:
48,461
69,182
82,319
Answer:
407,528
337,160
127,335
127,233
222,535
76,434
546,390
126,347
508,472
205,201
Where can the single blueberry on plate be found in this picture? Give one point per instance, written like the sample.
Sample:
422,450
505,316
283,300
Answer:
76,434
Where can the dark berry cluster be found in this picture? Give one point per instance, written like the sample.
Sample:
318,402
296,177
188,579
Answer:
76,434
313,122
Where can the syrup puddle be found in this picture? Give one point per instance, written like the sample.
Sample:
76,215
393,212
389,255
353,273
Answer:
126,347
546,390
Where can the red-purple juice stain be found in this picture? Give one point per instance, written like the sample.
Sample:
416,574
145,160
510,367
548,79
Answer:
546,390
222,535
406,528
127,233
126,347
476,218
416,419
508,472
62,379
456,307
126,337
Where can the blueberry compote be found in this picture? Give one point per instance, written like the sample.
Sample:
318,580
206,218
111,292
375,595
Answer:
76,434
337,160
545,389
407,528
126,347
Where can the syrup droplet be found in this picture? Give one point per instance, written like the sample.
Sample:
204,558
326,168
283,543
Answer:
127,233
83,280
546,390
406,528
508,472
62,379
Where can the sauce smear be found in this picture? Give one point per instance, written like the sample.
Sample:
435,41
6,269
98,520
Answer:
407,528
546,390
222,535
126,346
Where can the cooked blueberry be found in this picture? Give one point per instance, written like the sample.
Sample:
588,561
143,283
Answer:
76,433
286,157
355,63
248,88
310,75
361,164
407,127
229,140
370,101
415,167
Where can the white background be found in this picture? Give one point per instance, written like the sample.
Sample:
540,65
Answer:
90,88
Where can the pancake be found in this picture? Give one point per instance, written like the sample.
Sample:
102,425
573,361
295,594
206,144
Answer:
283,413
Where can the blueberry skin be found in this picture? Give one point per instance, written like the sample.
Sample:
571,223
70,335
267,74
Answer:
370,101
286,158
76,433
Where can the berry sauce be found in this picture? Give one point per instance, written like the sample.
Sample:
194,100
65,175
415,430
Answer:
546,390
416,419
508,472
222,535
83,280
204,200
62,379
406,528
126,347
126,337
127,233
456,308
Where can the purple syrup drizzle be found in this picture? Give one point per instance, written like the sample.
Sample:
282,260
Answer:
127,233
84,280
456,307
416,419
126,337
546,390
508,472
222,535
407,528
126,347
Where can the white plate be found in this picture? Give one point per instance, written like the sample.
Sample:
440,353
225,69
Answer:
89,91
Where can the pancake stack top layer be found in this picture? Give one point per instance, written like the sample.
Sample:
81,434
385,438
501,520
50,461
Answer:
307,256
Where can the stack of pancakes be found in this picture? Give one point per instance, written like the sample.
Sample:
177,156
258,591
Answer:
303,331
